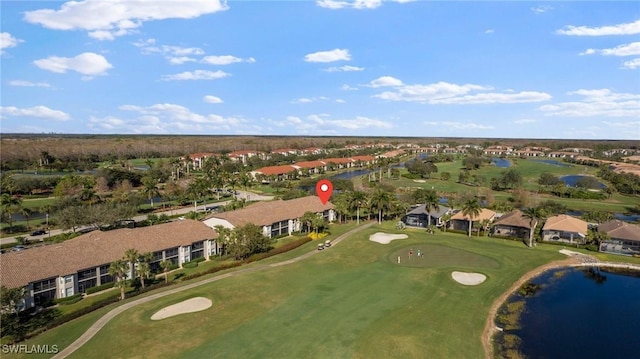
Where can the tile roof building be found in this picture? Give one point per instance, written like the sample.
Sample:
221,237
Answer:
564,228
624,238
512,224
73,266
276,218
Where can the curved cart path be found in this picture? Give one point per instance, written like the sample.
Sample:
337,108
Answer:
95,327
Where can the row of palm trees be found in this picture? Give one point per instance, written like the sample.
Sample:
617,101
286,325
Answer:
134,265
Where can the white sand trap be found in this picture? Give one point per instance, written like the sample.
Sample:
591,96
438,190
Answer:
188,306
419,181
386,238
468,278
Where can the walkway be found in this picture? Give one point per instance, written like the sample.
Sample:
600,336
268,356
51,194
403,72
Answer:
95,328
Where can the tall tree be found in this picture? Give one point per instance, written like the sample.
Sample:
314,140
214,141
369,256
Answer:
380,201
307,220
533,215
356,200
431,202
132,256
118,270
165,265
150,188
10,206
26,213
471,209
144,272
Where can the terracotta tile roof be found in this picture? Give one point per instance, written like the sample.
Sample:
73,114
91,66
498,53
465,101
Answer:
514,219
565,223
337,160
484,214
276,170
309,164
616,229
96,248
266,213
363,158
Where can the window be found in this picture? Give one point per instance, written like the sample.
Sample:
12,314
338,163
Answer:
87,273
68,292
68,279
43,285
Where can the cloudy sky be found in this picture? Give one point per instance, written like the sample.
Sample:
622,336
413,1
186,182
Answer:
327,67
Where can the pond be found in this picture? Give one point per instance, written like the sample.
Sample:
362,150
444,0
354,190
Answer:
501,162
554,163
571,180
581,313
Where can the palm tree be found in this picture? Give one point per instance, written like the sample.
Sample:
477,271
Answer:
132,256
223,235
246,181
26,213
445,219
534,215
471,208
10,206
380,201
484,224
431,202
150,188
307,220
165,265
118,270
144,271
356,200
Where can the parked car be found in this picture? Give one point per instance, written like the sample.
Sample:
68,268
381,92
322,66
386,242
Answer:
38,232
18,248
327,243
320,246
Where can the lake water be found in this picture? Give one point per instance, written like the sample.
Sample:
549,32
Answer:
571,180
554,163
501,162
582,315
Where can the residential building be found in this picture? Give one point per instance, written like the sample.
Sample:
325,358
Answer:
197,159
513,224
460,221
73,266
244,155
624,238
276,218
564,228
419,216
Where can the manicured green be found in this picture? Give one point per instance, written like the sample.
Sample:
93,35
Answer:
351,300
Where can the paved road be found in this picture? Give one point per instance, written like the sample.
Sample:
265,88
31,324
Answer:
249,196
100,323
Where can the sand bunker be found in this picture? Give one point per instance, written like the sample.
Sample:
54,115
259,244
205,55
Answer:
188,306
468,278
386,238
419,181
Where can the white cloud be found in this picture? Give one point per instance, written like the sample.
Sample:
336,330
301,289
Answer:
621,50
459,126
541,9
309,100
346,87
328,56
631,28
7,40
448,93
212,99
24,83
35,111
225,60
165,118
601,102
106,20
632,64
179,60
87,63
385,81
345,68
196,75
353,4
524,121
176,55
339,100
489,31
323,124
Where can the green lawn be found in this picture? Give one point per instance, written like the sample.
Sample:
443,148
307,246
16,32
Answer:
350,301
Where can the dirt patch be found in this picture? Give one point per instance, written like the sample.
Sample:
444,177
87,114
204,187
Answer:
187,306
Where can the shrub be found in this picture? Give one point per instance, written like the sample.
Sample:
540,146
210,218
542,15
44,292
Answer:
100,288
198,260
191,264
212,270
69,300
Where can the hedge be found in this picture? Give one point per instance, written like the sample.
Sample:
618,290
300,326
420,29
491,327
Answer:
282,249
69,300
191,264
100,288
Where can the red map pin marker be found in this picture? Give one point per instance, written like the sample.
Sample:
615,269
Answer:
324,188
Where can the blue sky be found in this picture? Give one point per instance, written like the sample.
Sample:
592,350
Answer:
363,68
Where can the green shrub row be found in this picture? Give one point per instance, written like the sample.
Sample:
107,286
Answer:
282,249
69,300
191,264
100,288
198,260
212,270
